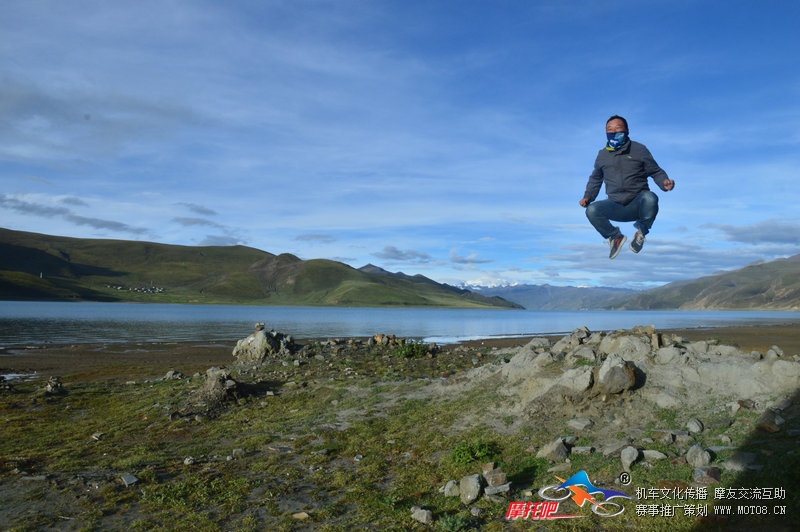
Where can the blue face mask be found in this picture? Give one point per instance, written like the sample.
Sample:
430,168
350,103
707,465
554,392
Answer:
617,140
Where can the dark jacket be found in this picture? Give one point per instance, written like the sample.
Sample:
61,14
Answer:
625,172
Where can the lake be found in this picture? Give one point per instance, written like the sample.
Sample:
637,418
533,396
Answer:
37,323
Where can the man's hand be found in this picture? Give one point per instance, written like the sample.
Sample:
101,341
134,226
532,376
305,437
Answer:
584,202
669,184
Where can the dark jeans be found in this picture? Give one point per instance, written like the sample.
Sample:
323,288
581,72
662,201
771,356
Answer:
642,210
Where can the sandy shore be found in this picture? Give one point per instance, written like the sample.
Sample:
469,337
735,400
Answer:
152,359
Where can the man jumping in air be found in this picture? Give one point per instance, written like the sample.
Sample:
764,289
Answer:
624,165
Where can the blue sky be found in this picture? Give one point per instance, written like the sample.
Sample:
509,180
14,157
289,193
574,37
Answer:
451,139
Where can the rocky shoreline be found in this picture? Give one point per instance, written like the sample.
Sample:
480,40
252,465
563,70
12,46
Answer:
404,434
53,358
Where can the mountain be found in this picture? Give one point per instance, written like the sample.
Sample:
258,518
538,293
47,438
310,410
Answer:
547,297
52,268
771,285
421,280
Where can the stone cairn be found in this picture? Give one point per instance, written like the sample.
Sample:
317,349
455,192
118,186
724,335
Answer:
254,349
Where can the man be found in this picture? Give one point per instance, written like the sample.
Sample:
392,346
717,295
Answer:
624,165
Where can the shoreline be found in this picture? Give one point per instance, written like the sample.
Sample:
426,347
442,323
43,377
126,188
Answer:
135,359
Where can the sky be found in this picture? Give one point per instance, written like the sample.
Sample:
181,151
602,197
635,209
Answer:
451,139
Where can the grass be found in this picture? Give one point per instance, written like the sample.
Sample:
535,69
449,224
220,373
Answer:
52,268
344,450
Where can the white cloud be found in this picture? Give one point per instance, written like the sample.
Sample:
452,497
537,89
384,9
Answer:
455,143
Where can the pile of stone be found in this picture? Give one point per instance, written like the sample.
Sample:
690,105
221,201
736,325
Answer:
218,387
662,369
492,483
54,386
262,344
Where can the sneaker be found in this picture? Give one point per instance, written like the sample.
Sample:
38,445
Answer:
637,242
616,245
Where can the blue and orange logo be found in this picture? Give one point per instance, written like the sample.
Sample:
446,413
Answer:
580,489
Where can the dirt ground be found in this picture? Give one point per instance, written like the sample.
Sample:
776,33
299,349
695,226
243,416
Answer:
132,360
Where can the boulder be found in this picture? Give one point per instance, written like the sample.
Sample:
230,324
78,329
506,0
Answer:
628,456
262,344
555,451
615,375
470,488
698,457
218,387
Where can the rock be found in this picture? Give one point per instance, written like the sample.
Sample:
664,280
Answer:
587,449
695,426
580,423
300,516
495,477
218,387
707,475
747,404
422,515
54,386
469,488
664,436
651,455
627,345
628,456
173,375
698,348
554,451
495,490
614,447
128,479
785,370
537,343
615,375
585,353
697,456
261,344
451,489
724,350
576,380
667,355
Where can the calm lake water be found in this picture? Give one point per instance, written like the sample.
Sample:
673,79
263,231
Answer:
36,323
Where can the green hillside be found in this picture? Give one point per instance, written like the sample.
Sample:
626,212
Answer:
771,285
42,267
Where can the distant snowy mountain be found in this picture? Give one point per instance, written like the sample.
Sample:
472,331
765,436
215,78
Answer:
547,297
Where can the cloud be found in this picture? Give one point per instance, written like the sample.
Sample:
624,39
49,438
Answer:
767,231
195,222
316,237
393,254
45,211
71,200
198,209
472,258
